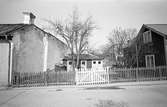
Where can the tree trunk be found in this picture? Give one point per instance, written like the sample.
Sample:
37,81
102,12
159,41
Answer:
73,62
78,60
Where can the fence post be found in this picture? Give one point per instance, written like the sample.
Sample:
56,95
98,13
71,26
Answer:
12,79
108,76
76,77
137,74
17,79
46,78
78,74
160,74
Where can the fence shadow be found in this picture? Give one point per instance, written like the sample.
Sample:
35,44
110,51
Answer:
104,88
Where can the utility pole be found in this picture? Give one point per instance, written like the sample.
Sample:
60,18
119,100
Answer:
137,62
137,59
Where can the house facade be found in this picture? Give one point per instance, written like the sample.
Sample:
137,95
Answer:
149,48
87,61
27,48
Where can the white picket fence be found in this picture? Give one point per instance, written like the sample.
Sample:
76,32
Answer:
89,76
109,75
92,76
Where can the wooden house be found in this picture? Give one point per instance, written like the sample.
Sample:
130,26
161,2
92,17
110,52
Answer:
149,48
87,61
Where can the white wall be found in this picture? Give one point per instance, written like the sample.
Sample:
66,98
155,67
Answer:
83,66
69,66
56,52
4,63
96,65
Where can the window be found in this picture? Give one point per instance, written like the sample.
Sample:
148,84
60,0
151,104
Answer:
83,62
150,61
9,37
147,37
99,62
94,62
70,63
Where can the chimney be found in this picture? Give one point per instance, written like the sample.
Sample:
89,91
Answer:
28,18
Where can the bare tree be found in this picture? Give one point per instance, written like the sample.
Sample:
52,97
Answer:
75,32
118,40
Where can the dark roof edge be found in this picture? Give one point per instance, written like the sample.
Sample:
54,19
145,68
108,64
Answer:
155,24
160,33
69,57
146,26
24,25
139,33
84,59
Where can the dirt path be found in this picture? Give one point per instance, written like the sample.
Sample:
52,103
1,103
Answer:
111,96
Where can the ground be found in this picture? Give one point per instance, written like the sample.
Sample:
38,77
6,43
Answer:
128,95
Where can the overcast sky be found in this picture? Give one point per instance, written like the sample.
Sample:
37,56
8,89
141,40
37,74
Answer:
107,14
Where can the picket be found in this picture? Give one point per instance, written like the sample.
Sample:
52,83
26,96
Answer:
92,76
89,76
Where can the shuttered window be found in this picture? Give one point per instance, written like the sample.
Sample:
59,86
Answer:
147,37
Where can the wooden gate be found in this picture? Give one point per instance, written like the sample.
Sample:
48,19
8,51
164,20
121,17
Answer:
91,76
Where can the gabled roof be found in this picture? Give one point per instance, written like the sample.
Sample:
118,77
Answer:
83,57
5,28
158,28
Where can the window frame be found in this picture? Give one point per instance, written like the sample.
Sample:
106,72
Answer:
83,62
148,60
147,36
70,63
